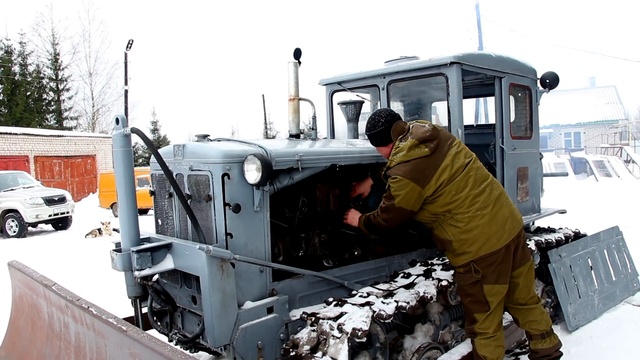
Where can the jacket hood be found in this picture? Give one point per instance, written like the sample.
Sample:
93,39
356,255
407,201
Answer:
413,140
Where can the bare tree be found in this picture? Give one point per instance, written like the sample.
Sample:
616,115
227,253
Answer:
97,94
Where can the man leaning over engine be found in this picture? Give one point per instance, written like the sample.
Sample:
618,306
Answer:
434,178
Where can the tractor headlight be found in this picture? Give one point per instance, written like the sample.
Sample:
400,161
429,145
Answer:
257,169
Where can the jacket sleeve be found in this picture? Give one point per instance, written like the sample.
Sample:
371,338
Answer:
401,201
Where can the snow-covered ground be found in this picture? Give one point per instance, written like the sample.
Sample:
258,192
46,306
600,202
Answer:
84,266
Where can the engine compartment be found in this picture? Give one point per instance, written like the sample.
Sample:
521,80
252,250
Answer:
307,228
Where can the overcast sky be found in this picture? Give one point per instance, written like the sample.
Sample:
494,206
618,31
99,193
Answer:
204,64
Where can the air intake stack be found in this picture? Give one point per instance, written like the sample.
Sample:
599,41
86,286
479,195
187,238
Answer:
351,110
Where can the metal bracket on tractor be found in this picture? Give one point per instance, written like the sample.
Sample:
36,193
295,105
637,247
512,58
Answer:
592,275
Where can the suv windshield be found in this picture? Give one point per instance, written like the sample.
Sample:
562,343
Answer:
16,180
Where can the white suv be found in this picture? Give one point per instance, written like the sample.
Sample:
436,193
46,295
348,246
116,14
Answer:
25,202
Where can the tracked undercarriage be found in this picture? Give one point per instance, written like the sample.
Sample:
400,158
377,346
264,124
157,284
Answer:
416,314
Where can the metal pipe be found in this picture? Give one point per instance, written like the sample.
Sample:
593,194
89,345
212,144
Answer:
126,86
125,187
228,255
314,125
126,78
294,100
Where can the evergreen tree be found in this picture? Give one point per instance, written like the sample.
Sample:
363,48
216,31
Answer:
59,86
8,83
159,140
31,104
141,154
20,108
39,97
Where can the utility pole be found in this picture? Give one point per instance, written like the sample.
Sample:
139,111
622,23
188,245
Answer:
266,124
480,48
126,79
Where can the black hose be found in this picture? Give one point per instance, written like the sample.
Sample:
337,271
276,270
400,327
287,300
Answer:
196,225
154,290
160,295
172,181
193,337
157,327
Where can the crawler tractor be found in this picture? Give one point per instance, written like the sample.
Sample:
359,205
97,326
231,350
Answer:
250,258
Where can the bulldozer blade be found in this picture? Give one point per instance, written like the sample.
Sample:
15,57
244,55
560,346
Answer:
591,275
49,322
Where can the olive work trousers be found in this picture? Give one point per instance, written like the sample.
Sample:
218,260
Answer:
498,281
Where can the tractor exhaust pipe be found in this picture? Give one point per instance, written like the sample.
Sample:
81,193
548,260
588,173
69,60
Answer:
294,102
294,97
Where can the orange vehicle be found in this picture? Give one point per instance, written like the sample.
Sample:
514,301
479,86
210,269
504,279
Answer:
109,198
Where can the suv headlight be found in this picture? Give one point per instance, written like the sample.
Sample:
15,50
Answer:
34,201
257,169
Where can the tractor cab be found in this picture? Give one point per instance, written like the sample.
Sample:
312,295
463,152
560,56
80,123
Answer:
490,102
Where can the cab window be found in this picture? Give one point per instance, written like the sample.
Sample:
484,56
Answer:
521,122
423,98
344,103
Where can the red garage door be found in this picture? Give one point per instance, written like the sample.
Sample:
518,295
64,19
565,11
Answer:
15,163
76,174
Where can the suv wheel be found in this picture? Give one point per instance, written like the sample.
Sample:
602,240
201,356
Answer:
63,224
114,209
14,226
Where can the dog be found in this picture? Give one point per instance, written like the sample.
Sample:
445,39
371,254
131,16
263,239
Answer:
104,230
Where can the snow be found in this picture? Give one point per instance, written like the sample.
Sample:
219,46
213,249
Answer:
47,132
84,265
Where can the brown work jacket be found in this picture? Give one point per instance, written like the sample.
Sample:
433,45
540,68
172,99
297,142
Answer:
434,178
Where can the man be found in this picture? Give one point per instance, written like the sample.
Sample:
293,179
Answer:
434,178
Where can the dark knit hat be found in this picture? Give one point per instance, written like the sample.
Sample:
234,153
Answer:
379,125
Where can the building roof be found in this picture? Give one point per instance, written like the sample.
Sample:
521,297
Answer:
48,132
580,106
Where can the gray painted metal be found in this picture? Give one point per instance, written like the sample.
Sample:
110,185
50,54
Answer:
544,212
284,153
252,327
50,322
226,255
521,153
592,275
305,291
217,280
484,60
127,207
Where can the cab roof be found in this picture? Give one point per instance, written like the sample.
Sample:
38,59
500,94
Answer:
480,59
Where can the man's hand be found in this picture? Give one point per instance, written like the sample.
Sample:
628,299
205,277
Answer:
361,188
352,217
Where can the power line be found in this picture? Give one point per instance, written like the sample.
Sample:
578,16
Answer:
563,46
